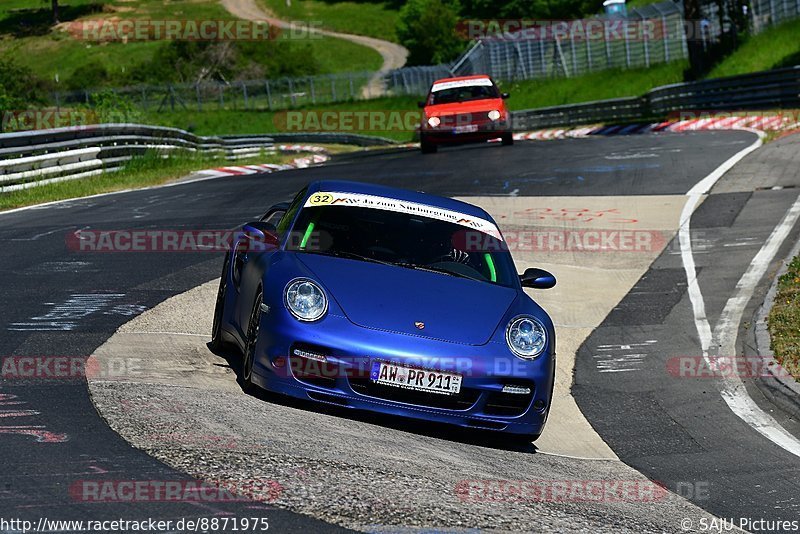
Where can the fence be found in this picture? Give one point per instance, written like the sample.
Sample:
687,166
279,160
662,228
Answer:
767,13
648,35
281,93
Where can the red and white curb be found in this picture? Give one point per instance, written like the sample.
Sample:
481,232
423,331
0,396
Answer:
301,148
321,156
767,122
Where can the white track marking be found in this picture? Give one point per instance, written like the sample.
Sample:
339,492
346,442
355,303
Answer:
732,389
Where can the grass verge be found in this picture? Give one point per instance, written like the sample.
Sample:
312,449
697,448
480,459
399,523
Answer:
773,48
524,95
149,169
371,18
224,122
601,85
54,53
784,320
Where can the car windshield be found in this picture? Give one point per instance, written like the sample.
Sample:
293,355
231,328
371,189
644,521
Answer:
403,240
464,94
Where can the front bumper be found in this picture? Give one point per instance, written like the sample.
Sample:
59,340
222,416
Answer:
452,135
343,379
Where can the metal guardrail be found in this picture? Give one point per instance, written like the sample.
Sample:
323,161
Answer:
616,110
40,157
773,89
333,138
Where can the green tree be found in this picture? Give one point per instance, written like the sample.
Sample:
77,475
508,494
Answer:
428,28
19,86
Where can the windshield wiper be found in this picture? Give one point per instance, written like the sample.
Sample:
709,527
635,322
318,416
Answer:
353,256
434,270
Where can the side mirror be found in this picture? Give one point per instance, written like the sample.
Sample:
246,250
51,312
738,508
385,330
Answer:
260,235
422,104
505,96
537,279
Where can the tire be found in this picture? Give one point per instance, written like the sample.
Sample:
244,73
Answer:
248,358
427,147
218,345
508,139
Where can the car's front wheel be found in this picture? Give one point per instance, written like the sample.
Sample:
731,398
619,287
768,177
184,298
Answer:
426,146
218,345
248,359
508,139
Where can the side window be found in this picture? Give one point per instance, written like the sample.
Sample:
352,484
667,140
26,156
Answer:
275,218
288,217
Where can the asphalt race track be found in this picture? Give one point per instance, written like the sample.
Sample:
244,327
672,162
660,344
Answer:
60,303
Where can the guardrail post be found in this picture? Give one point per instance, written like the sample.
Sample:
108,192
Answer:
197,95
244,94
350,78
333,88
221,96
605,41
269,95
291,92
144,98
313,93
665,29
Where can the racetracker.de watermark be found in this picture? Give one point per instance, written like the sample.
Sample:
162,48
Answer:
46,119
71,367
348,121
496,490
174,491
140,30
563,240
164,241
726,367
607,30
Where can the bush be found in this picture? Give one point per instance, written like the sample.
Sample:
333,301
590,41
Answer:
114,108
428,28
88,76
19,86
194,61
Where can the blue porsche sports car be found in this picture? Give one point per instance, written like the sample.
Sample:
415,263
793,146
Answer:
391,301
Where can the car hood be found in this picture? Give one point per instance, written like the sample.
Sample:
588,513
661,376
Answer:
472,106
390,298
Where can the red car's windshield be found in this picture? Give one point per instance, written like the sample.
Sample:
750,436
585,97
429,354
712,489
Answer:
463,94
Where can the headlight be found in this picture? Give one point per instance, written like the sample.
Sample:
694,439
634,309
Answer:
526,337
494,115
433,122
305,300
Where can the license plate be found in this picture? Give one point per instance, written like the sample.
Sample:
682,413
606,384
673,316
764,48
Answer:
467,128
419,379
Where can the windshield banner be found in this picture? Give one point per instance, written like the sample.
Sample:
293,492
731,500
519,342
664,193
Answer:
329,198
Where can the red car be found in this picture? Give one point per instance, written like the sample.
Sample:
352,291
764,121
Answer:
466,109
